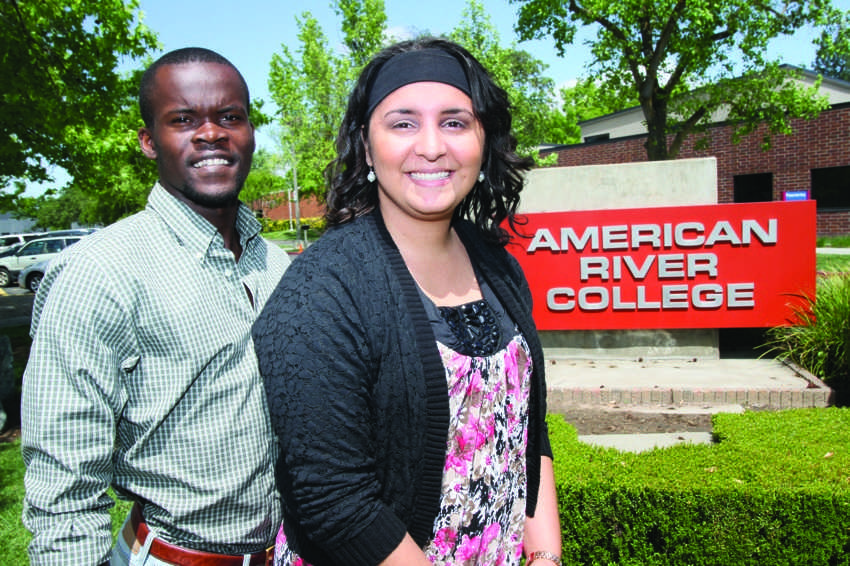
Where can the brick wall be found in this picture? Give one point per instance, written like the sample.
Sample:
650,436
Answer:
309,208
814,144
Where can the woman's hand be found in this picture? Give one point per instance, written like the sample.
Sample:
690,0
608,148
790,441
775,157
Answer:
543,531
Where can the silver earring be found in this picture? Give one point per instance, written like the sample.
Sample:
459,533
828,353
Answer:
371,176
481,177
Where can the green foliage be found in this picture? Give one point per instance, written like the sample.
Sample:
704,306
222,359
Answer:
585,100
536,118
833,54
310,87
833,263
833,241
59,63
774,490
112,180
363,25
279,229
820,341
658,53
264,182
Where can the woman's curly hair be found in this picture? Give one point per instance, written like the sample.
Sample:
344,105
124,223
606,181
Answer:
488,205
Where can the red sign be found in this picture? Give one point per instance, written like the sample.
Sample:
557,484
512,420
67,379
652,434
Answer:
709,266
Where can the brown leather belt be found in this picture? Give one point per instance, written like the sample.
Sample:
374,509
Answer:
136,531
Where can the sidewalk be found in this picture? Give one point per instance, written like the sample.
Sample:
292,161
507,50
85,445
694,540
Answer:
748,383
655,391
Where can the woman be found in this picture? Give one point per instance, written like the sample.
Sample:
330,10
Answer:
402,367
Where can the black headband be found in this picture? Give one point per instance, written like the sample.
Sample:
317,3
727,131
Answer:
423,65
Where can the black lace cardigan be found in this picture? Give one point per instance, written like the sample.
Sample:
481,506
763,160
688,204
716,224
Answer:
358,396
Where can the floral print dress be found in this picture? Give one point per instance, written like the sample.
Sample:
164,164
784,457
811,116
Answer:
482,514
488,372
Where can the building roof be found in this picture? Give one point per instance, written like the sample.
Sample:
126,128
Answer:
630,121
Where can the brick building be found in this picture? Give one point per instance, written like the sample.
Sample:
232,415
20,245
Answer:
814,158
281,209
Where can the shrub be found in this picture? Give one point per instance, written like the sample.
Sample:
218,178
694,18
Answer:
833,241
317,225
774,490
820,343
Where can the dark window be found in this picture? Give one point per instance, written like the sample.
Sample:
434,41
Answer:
753,188
831,188
33,248
597,137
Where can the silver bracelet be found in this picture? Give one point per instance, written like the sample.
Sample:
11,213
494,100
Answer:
544,554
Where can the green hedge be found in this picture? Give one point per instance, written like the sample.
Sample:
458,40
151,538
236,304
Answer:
773,490
317,224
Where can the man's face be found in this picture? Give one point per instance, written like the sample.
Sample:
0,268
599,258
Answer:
200,137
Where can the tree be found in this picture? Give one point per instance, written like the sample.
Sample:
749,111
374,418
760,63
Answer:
310,87
59,66
110,178
363,25
833,54
530,92
583,101
266,181
658,52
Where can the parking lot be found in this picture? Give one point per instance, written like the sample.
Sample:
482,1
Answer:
15,306
14,290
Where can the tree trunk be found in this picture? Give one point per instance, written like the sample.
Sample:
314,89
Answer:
656,123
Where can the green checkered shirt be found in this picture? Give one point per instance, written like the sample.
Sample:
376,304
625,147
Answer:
143,376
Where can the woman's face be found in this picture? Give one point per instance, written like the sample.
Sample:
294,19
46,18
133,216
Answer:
426,147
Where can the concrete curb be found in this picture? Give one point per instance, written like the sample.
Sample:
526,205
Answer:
797,389
750,398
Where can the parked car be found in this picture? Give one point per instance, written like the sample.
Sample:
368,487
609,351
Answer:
11,249
30,277
31,253
8,241
70,232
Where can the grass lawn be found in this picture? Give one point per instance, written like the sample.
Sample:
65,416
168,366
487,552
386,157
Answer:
15,537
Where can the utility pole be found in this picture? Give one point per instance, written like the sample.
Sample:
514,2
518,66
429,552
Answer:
297,202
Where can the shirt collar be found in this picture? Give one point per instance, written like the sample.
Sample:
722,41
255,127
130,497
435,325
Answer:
193,230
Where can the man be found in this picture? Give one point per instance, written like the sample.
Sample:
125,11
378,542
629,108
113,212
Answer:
142,373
